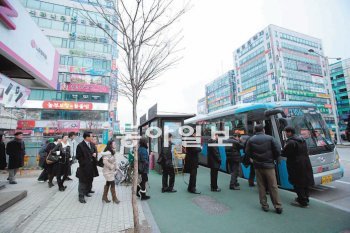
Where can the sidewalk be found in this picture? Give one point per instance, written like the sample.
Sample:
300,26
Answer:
48,210
236,211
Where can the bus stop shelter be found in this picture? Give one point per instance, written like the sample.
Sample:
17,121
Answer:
168,123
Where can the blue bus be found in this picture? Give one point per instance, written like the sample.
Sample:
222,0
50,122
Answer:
303,116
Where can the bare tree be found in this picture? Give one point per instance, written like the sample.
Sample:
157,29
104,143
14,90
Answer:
147,48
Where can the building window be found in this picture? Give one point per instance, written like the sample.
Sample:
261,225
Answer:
34,4
64,43
46,7
66,27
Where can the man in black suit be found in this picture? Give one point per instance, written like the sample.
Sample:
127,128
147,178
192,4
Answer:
85,155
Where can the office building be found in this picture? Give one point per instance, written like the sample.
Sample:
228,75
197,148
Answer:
85,95
276,65
220,93
340,76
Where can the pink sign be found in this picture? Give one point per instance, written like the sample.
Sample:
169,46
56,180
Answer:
95,88
68,126
7,11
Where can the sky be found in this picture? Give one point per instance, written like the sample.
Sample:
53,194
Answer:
212,30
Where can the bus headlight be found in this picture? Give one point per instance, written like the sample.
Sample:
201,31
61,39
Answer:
337,160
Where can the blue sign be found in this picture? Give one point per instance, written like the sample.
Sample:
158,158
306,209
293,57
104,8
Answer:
105,136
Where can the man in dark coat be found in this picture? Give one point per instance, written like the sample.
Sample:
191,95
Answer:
16,151
214,162
191,165
233,157
3,163
168,167
94,164
84,155
299,167
264,151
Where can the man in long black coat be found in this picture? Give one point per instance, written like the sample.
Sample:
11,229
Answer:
85,173
214,162
233,156
191,165
16,151
299,167
168,167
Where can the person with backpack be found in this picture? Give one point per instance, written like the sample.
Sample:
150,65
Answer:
42,162
109,169
299,167
143,169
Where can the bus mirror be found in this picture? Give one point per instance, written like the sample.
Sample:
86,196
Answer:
276,111
283,123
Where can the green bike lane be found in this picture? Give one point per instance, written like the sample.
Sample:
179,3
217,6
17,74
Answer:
236,210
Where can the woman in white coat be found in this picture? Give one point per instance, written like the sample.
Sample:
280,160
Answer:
109,170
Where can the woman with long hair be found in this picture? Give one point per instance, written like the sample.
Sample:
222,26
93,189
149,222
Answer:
143,169
109,169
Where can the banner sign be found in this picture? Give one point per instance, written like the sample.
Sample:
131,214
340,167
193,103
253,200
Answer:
12,94
25,124
68,126
65,105
84,87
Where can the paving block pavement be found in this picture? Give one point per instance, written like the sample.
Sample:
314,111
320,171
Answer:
48,210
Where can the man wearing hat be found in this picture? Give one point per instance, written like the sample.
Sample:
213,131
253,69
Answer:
16,151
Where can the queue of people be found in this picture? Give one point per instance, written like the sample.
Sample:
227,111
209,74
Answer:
57,156
262,151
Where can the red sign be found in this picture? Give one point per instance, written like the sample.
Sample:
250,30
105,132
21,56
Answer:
328,106
6,11
84,87
65,105
25,124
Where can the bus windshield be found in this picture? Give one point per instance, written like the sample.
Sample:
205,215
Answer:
310,125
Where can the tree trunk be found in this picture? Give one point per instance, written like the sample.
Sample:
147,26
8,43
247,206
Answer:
136,172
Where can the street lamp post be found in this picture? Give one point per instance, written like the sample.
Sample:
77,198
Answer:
334,106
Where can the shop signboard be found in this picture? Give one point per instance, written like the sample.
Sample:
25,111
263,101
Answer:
66,105
68,125
247,91
26,46
85,79
81,87
25,124
12,94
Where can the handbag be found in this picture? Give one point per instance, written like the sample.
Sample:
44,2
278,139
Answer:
100,162
245,160
160,159
51,158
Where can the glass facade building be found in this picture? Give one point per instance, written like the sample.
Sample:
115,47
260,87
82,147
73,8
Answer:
202,106
220,93
87,68
275,65
340,76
